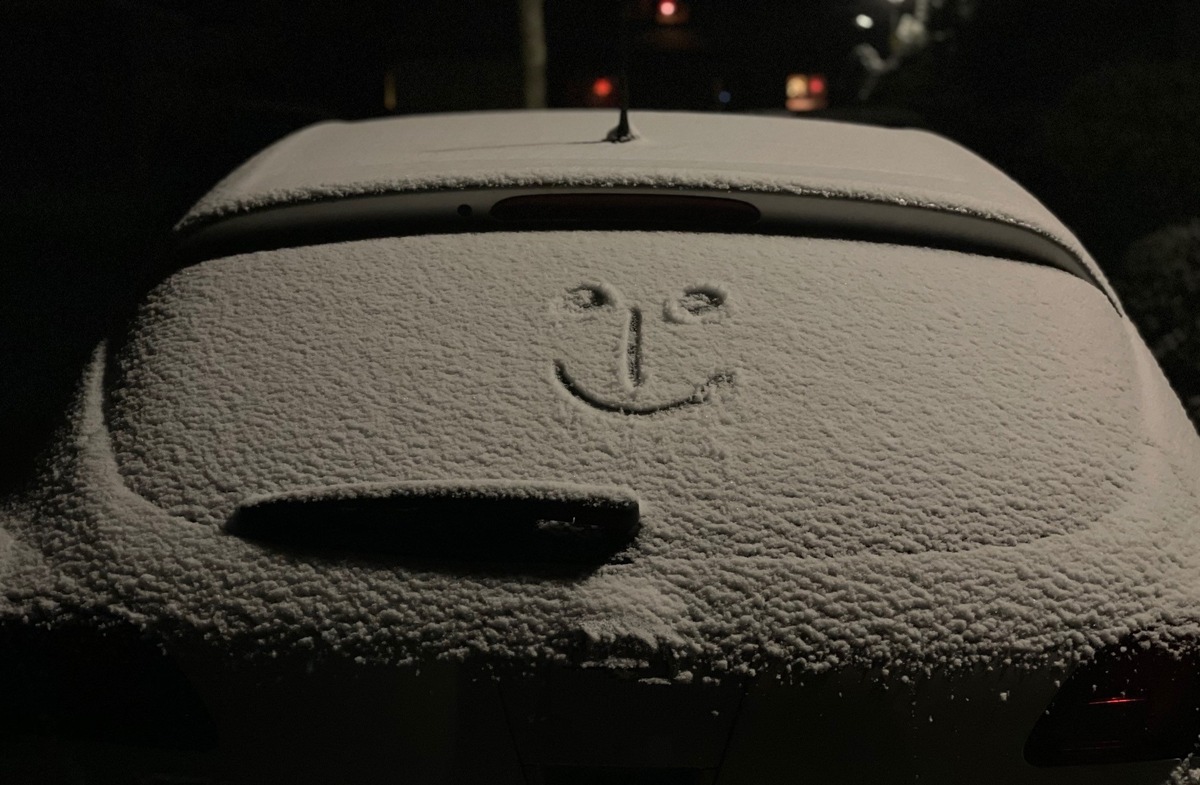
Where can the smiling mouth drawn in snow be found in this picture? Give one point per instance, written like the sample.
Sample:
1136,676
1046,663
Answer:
697,305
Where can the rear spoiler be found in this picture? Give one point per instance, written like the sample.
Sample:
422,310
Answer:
565,208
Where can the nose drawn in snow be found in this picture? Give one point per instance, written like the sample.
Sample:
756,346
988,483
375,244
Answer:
696,305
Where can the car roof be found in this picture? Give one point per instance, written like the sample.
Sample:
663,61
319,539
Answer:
672,150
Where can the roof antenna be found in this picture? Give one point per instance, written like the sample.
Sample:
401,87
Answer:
623,133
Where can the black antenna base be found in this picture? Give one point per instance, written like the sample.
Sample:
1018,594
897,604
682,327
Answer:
622,133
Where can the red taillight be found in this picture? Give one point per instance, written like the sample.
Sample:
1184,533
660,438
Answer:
1128,704
602,87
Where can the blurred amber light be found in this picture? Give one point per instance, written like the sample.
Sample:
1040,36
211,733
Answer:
805,92
797,86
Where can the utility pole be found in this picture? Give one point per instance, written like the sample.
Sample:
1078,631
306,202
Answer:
533,52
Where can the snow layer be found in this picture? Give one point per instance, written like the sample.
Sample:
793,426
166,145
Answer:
914,455
681,150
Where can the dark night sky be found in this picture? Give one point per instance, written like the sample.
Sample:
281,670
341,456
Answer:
120,113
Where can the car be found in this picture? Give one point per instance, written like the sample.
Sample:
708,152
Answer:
479,448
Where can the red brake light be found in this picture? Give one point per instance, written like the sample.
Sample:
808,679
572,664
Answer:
568,209
1128,704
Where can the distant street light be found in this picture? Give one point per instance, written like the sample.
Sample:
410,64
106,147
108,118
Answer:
805,92
671,12
797,86
864,21
602,87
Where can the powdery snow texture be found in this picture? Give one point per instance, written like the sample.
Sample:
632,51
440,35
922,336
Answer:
900,454
681,150
923,455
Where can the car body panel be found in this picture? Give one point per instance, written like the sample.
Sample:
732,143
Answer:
860,468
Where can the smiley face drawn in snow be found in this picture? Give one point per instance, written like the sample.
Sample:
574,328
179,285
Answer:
696,305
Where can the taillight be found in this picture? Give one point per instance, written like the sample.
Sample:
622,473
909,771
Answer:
1128,704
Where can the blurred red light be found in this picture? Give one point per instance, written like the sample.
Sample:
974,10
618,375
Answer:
1127,704
602,87
816,85
667,8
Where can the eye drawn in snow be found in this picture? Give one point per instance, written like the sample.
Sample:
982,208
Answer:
695,305
705,303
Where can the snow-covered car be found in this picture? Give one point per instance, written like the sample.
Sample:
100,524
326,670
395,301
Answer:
475,448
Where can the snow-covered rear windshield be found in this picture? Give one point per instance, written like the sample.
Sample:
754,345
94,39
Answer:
803,377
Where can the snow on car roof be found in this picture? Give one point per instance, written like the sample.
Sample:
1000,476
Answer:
672,150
